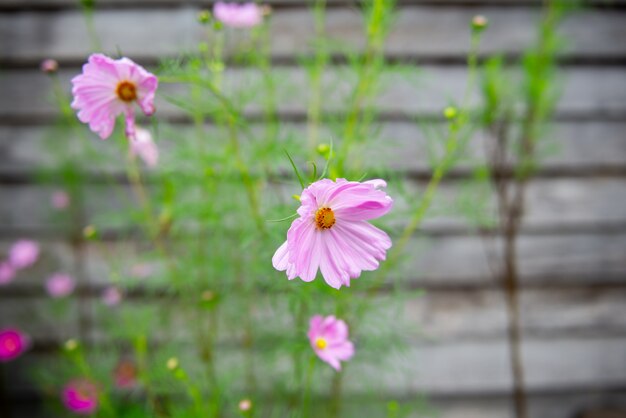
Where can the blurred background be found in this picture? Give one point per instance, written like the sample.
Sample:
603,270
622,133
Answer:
571,247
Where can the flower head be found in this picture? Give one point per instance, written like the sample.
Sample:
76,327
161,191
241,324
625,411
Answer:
12,344
80,396
125,374
49,66
107,88
236,15
7,273
111,296
60,285
60,199
329,339
143,145
23,253
332,233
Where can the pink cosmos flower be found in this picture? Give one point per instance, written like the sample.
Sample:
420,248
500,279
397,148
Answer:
80,396
143,145
236,15
111,296
141,270
23,253
60,285
60,199
49,66
329,338
12,344
7,273
125,374
107,88
332,232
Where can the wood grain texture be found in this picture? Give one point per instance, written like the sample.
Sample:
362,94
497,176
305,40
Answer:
588,93
419,31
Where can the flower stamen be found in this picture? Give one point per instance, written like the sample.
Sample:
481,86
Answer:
126,91
321,343
324,218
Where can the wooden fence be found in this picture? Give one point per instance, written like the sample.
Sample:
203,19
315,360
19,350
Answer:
572,248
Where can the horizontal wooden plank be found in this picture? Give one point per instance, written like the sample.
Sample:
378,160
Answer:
461,368
544,260
570,146
50,4
588,92
438,316
419,31
569,205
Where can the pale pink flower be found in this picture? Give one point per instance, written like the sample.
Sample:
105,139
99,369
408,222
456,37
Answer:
329,338
7,273
143,145
80,396
13,343
237,15
23,253
111,296
141,270
107,88
60,199
332,233
60,285
49,66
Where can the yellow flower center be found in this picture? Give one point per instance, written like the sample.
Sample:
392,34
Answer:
324,218
321,343
126,91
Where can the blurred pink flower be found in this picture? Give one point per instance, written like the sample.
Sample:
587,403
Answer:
7,273
125,374
329,338
80,396
60,285
60,199
141,270
107,88
12,344
23,253
143,145
111,296
49,66
237,15
332,232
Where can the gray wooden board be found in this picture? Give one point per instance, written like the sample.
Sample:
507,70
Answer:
47,4
575,146
436,317
419,31
588,92
468,368
551,205
440,262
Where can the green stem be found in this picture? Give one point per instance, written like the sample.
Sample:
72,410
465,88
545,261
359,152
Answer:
306,398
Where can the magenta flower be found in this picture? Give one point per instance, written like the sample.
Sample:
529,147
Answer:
111,296
332,232
7,273
60,285
80,396
60,199
143,145
236,15
49,66
23,253
13,343
329,338
108,88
